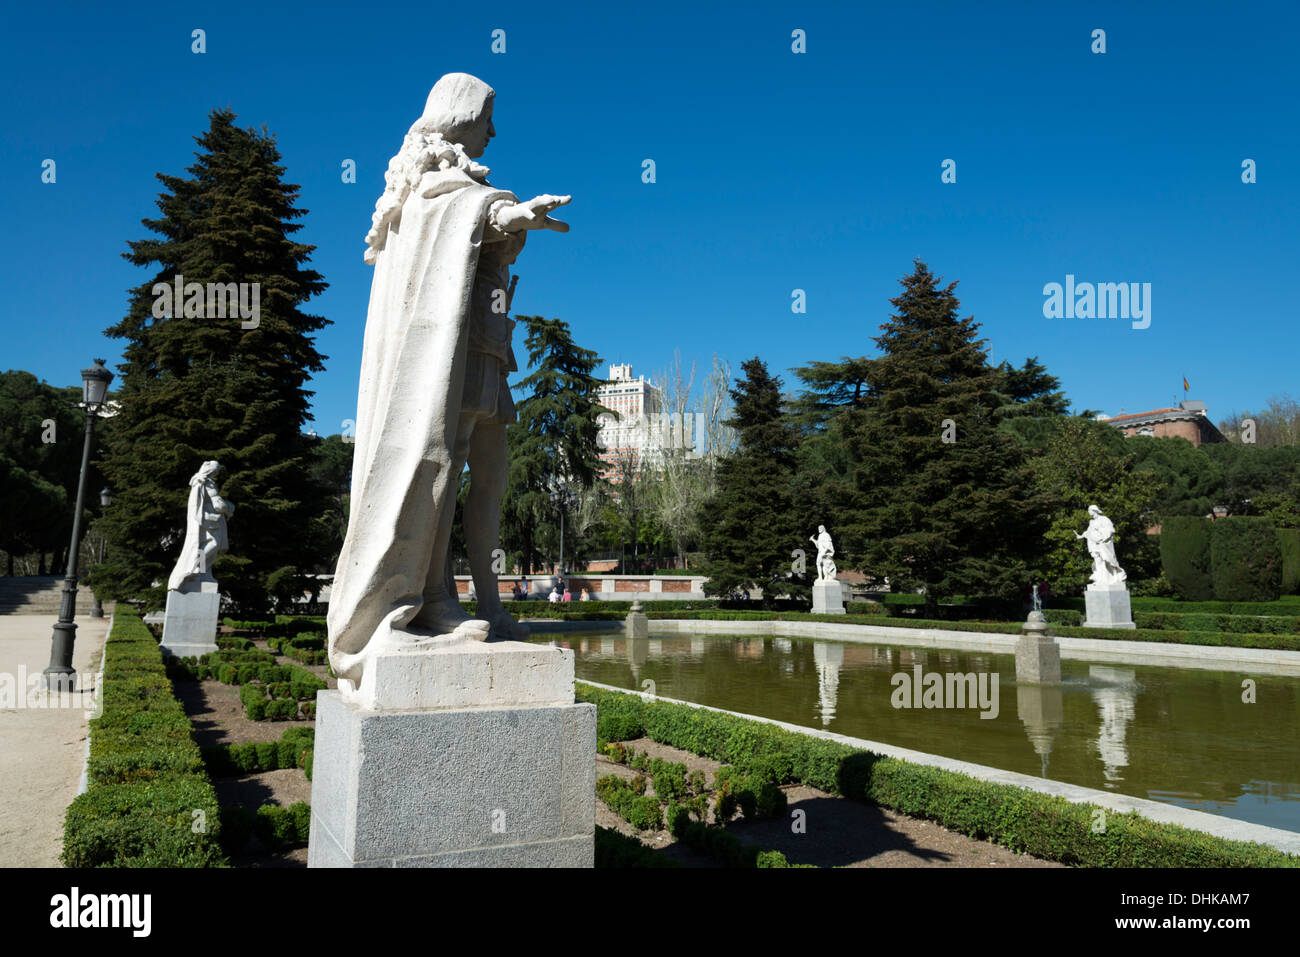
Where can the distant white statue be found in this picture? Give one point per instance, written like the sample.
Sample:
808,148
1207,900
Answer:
826,570
1100,534
205,528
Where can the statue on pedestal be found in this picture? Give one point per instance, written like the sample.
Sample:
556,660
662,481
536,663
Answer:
205,528
826,570
1100,535
433,396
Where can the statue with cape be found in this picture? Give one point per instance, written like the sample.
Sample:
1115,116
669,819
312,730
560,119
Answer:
433,396
205,528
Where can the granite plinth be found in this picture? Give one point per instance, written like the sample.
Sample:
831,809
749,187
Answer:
494,768
1107,606
190,624
827,598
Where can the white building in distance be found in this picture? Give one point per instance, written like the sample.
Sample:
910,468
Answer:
629,435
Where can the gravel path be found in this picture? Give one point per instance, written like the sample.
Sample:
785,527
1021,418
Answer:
42,749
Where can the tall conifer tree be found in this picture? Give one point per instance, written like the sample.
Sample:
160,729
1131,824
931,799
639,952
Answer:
755,521
197,387
554,440
934,495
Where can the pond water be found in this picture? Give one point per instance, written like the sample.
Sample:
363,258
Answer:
1178,735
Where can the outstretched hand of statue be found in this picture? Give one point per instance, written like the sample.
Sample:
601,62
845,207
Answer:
532,214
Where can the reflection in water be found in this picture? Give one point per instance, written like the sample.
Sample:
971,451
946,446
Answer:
1116,699
829,656
1041,709
1177,735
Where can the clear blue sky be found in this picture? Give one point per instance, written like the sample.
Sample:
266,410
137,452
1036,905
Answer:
775,171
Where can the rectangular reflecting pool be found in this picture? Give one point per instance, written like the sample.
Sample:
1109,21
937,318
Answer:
1177,735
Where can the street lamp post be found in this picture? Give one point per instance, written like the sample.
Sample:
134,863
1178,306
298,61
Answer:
59,676
562,498
105,500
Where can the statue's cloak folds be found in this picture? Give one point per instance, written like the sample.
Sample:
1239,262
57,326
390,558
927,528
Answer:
408,407
187,563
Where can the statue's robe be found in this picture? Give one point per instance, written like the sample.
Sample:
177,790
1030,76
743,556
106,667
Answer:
1101,544
408,409
204,517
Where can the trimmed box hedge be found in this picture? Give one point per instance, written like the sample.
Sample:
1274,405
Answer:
149,802
1025,821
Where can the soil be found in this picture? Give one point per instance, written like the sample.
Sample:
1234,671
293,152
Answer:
840,832
218,718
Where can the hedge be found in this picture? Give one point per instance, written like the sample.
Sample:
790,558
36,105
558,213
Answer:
149,802
1024,821
1245,560
276,827
618,850
293,750
1185,556
1288,543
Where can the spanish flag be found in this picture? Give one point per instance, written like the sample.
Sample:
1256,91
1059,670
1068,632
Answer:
1185,385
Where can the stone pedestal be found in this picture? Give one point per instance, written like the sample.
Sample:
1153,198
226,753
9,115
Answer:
636,624
1107,607
190,625
1038,656
827,598
470,755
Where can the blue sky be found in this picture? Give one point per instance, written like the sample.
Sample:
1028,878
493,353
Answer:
775,171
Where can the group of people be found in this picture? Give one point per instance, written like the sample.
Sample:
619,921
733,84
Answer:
559,592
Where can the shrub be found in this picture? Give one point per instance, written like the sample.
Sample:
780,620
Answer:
641,811
669,780
1245,559
1185,557
1288,543
618,850
281,827
253,698
149,802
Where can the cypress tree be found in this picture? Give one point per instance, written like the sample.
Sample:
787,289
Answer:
197,386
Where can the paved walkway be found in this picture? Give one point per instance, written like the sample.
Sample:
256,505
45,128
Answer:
42,739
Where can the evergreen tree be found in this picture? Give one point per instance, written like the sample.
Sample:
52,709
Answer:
1031,391
755,521
553,442
1088,463
829,388
933,494
197,386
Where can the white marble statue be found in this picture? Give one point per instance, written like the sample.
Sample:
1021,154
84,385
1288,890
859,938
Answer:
433,395
1100,535
826,570
205,528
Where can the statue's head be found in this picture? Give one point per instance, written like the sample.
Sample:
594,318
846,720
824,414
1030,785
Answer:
1094,510
821,529
460,108
208,469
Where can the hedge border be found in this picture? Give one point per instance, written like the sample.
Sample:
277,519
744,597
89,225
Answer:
1028,822
150,802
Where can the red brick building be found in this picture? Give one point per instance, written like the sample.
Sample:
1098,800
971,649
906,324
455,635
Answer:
1189,421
